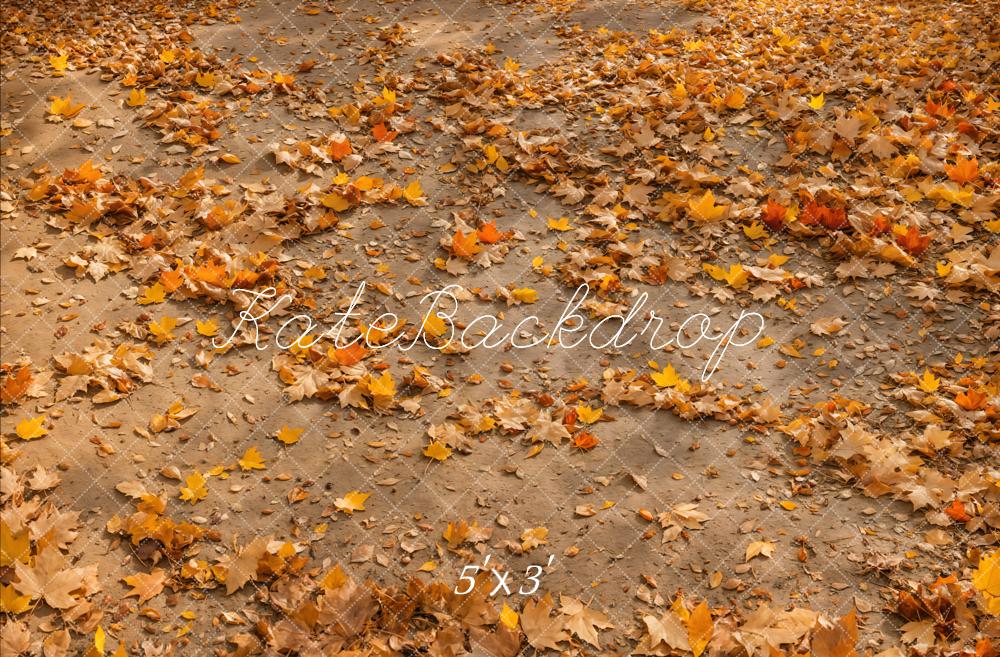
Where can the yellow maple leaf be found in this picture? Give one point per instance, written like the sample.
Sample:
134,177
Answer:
387,97
335,202
952,193
928,382
735,276
491,153
195,489
700,628
561,224
59,62
735,99
136,98
437,450
13,547
414,193
667,378
986,579
817,102
351,502
716,272
755,231
334,578
205,80
11,602
99,640
161,330
208,328
524,294
251,460
168,56
64,107
384,386
31,429
289,435
705,209
367,183
508,617
434,325
943,268
587,414
316,272
533,537
153,294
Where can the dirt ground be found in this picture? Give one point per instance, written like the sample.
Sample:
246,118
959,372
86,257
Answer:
833,539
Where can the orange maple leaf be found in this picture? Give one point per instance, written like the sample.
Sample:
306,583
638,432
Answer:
85,173
956,511
913,242
350,355
585,440
338,150
835,218
938,109
244,278
383,134
211,274
963,171
465,246
880,224
489,234
14,387
171,280
828,217
773,215
971,400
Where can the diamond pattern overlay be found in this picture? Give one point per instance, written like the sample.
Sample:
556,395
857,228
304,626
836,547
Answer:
832,489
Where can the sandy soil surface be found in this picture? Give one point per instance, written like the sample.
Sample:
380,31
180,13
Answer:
809,473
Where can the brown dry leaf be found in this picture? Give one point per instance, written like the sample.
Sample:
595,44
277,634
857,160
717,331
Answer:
146,586
668,629
583,621
542,630
836,639
765,548
243,567
48,578
827,326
